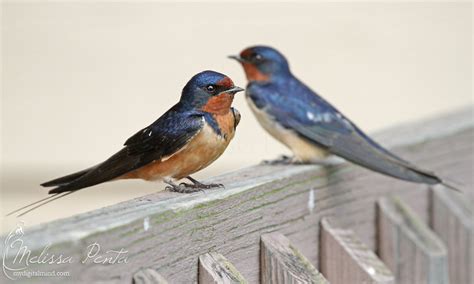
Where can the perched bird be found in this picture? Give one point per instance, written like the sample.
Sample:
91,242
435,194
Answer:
187,138
310,126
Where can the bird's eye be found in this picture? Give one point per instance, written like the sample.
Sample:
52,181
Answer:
257,57
210,88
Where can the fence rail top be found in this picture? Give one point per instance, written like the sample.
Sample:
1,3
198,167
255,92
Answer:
73,229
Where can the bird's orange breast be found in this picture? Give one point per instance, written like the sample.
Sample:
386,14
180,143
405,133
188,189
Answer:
199,153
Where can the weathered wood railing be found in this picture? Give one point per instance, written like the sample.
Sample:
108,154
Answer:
287,224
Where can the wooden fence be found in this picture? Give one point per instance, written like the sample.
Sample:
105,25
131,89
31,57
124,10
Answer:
284,224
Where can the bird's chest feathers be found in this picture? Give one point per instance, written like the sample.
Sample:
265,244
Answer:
208,143
216,142
301,148
224,125
215,135
200,152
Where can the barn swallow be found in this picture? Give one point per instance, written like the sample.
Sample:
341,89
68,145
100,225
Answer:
309,125
187,138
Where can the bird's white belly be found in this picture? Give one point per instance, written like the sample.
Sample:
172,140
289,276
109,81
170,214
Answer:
303,150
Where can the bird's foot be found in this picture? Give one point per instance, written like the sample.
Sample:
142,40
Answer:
182,188
191,188
198,184
283,160
201,186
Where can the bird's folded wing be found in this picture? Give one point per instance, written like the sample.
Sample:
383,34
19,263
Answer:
164,137
323,125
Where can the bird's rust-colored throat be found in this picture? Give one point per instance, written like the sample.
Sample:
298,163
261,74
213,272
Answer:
253,74
219,104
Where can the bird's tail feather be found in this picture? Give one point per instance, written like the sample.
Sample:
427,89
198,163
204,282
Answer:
64,186
430,177
112,168
30,207
385,164
451,184
66,179
401,169
61,181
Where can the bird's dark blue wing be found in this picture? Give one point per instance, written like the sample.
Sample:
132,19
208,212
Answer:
294,106
165,136
309,115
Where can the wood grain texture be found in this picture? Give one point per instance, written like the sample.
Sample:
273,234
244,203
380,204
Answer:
214,268
409,248
148,276
282,263
170,231
345,259
453,222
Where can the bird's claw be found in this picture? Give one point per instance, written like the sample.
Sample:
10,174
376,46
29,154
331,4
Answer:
191,188
203,186
182,188
212,185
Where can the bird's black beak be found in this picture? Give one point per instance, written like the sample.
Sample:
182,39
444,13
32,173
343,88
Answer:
236,57
234,90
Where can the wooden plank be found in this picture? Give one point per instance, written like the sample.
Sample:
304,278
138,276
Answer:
148,276
453,222
170,231
345,259
446,124
409,248
280,262
215,268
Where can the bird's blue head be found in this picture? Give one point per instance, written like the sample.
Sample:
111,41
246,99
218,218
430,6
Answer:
261,63
209,91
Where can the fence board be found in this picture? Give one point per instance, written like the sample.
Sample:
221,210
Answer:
408,247
280,262
215,268
453,222
345,259
148,276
